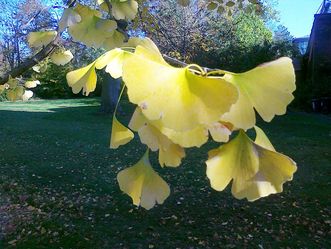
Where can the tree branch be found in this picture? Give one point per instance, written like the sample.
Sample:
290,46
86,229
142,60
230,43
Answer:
29,63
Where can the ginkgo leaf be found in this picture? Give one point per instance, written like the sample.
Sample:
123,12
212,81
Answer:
12,82
113,59
219,132
27,95
191,138
180,99
115,41
15,93
120,135
61,57
143,184
92,30
124,9
256,171
41,38
69,17
121,9
262,139
170,154
31,83
143,42
83,78
268,88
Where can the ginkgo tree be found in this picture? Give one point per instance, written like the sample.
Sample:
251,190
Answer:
178,107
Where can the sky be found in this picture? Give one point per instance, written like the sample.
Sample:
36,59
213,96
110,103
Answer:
298,15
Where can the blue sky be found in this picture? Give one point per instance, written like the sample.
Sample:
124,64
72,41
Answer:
298,15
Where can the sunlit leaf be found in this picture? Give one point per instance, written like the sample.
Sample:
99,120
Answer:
143,42
115,41
92,30
27,95
267,88
120,135
170,154
61,57
15,94
12,82
69,17
256,171
121,9
180,99
83,79
262,139
31,83
191,138
219,132
143,184
42,38
113,59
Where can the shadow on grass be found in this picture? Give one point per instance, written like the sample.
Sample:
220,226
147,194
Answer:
57,164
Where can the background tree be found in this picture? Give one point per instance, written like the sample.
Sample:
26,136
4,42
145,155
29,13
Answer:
17,19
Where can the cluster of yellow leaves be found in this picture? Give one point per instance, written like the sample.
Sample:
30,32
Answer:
222,6
93,30
13,90
178,108
121,9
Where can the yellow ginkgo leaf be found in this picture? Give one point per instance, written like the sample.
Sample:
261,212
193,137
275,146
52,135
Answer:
268,88
121,9
12,82
31,83
69,17
143,42
92,30
27,95
113,61
15,93
170,154
115,41
42,38
83,78
143,184
219,132
186,139
180,99
120,135
262,139
256,171
61,57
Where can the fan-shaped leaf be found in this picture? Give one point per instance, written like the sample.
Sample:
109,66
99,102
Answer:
143,184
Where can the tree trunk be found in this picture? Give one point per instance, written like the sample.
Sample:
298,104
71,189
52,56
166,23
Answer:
109,95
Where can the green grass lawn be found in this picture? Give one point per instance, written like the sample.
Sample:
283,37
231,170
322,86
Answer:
58,187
